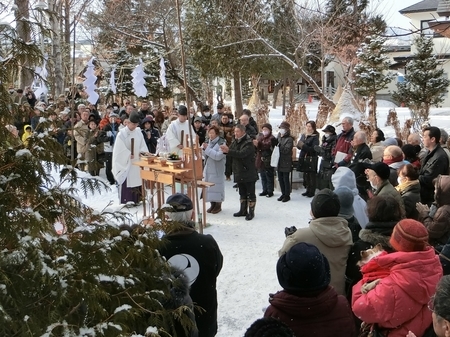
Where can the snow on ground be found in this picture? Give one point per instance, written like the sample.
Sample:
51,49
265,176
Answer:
250,247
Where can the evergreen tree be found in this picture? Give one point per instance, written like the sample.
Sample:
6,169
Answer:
425,83
371,72
94,279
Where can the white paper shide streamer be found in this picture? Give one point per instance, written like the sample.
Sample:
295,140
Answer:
112,81
162,72
42,90
138,80
89,82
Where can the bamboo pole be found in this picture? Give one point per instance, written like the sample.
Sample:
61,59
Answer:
191,142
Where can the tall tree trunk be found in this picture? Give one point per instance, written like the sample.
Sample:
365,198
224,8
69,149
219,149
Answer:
255,102
66,41
55,10
22,16
237,93
276,90
372,103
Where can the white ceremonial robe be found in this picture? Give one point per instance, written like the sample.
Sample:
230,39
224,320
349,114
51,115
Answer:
173,135
122,164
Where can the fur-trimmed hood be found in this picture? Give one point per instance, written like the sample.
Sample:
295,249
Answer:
378,232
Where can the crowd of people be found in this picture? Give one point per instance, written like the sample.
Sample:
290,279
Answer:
370,262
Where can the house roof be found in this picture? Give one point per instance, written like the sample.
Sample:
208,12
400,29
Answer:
422,6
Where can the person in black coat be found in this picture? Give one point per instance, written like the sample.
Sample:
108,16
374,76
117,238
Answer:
433,164
361,153
200,131
150,133
306,144
284,168
199,257
326,169
245,175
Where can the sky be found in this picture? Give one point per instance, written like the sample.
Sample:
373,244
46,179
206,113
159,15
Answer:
390,8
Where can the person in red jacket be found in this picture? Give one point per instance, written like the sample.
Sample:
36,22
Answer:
398,303
307,303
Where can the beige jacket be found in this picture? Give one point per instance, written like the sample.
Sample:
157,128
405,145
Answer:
333,238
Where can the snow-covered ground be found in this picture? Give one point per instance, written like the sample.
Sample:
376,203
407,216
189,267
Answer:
250,247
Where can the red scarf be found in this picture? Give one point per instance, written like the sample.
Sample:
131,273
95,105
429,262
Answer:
393,160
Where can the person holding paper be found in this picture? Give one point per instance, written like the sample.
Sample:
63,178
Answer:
342,152
127,147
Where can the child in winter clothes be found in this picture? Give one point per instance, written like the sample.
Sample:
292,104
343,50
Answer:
27,133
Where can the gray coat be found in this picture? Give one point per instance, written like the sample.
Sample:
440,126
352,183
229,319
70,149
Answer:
214,171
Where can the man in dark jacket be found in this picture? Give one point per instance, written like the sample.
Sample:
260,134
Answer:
433,164
250,130
245,175
199,257
343,142
361,151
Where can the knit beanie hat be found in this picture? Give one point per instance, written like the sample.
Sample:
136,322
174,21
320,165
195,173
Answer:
267,125
346,198
325,204
285,125
409,236
303,269
180,202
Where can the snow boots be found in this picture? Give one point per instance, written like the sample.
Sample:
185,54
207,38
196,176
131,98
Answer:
251,210
217,208
243,210
209,210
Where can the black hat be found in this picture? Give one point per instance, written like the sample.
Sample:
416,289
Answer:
180,202
198,119
381,169
329,128
182,110
219,105
134,117
205,108
325,204
267,125
115,104
303,269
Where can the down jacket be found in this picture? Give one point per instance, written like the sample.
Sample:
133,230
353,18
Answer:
325,315
243,153
439,225
398,303
214,171
333,238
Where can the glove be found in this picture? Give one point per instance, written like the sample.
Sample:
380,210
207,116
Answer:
111,140
290,230
300,144
318,149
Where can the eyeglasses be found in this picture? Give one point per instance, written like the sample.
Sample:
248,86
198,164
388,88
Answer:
431,304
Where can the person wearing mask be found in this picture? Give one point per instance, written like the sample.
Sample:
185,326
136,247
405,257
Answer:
393,156
433,164
206,116
285,144
214,169
150,133
376,145
306,144
245,175
378,176
127,175
326,169
343,146
265,143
